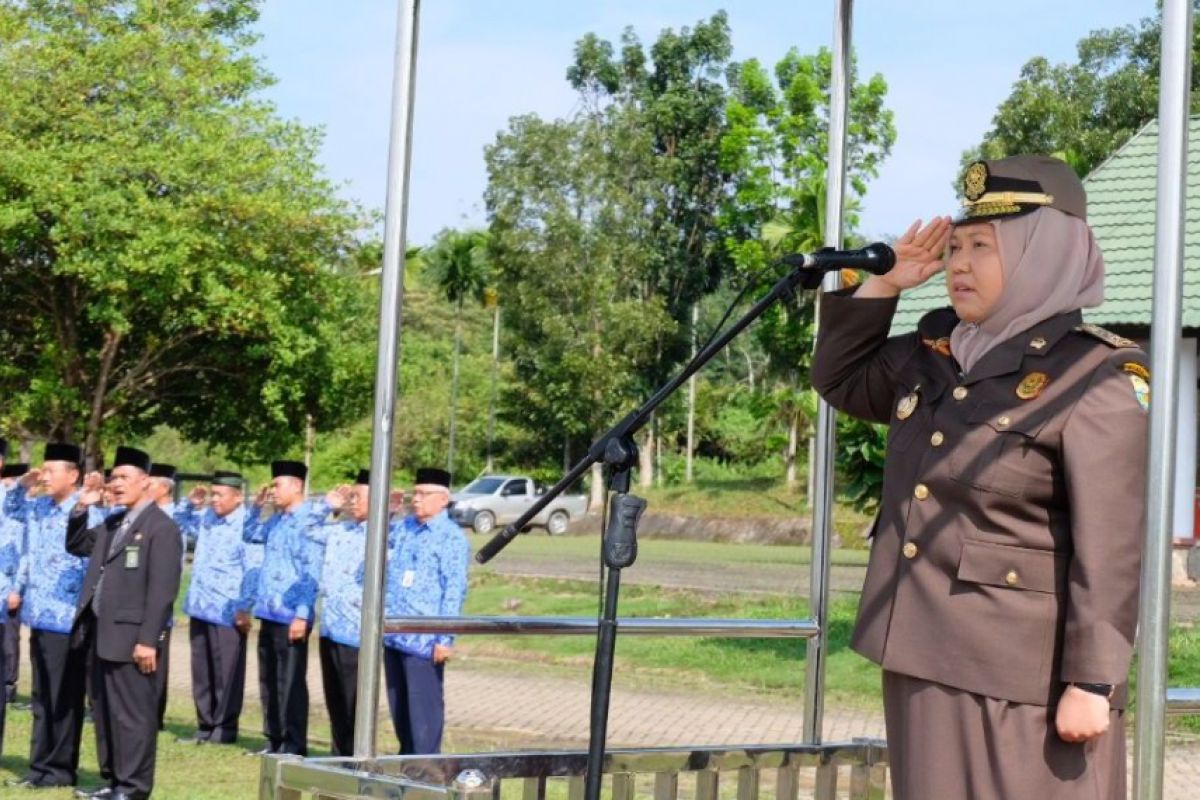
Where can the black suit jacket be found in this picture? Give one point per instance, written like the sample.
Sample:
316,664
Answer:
141,580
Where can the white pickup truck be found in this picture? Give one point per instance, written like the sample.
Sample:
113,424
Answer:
492,500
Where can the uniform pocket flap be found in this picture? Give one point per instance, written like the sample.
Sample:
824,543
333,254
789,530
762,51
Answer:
1012,567
1007,419
133,615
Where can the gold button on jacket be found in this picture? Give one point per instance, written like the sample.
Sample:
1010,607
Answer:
1031,527
910,550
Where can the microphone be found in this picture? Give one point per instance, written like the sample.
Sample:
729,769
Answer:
876,259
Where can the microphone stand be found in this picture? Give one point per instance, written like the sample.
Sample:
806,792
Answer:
618,452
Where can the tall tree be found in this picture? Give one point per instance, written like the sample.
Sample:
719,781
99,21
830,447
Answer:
776,149
169,249
458,264
674,94
1083,111
568,224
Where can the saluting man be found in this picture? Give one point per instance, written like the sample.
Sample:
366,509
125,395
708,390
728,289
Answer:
123,609
426,576
11,534
162,493
220,597
341,607
286,600
10,619
48,583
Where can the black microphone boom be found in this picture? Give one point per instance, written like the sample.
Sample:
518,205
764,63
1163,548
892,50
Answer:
876,258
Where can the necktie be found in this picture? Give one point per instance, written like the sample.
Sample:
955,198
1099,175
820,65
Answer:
115,544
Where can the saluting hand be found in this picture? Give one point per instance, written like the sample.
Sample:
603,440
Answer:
395,501
262,495
918,258
93,480
1081,715
336,499
146,658
90,497
197,496
30,479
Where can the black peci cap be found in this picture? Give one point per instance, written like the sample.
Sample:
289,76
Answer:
62,451
290,469
3,447
167,471
223,477
364,477
13,470
132,457
433,476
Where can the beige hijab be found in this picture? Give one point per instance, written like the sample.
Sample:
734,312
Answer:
1051,265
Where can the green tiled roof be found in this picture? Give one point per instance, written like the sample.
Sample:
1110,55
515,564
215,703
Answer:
1121,198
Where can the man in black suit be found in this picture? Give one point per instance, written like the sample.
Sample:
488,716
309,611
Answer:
128,592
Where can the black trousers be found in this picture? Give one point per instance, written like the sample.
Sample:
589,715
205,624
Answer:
12,646
282,684
414,692
4,659
339,677
162,675
218,679
125,708
59,677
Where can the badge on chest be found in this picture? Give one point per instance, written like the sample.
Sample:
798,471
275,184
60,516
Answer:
133,555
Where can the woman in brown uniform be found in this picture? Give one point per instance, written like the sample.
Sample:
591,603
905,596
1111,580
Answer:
1001,595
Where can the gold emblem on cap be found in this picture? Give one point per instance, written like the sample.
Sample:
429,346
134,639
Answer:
1031,385
908,404
975,181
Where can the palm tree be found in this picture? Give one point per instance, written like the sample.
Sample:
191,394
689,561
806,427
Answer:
458,265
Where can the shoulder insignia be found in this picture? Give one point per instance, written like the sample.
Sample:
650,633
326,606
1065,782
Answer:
1141,391
1108,337
941,345
1134,368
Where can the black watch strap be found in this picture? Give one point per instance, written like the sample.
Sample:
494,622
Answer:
1102,689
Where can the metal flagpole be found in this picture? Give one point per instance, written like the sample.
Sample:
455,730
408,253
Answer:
822,499
1174,102
390,302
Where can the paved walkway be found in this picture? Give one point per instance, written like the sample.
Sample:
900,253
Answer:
493,707
496,708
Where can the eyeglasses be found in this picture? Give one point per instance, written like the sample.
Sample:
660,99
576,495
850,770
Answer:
428,492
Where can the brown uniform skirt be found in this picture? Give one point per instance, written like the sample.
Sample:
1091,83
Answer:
947,744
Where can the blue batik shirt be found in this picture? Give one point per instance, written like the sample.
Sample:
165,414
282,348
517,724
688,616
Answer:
49,578
291,567
342,581
426,577
225,568
12,545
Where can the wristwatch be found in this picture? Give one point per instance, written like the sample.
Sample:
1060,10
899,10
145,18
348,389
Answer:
1105,690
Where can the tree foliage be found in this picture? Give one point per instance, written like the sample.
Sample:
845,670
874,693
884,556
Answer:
169,249
1083,111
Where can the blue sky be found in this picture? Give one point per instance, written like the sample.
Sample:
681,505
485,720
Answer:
948,64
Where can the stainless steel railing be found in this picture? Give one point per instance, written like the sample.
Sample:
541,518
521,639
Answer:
1183,702
857,769
585,626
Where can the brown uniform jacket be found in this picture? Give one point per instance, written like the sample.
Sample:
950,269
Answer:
1006,555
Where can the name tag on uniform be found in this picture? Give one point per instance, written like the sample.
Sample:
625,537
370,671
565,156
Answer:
131,557
409,579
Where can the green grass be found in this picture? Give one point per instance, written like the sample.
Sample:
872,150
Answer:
537,546
740,665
